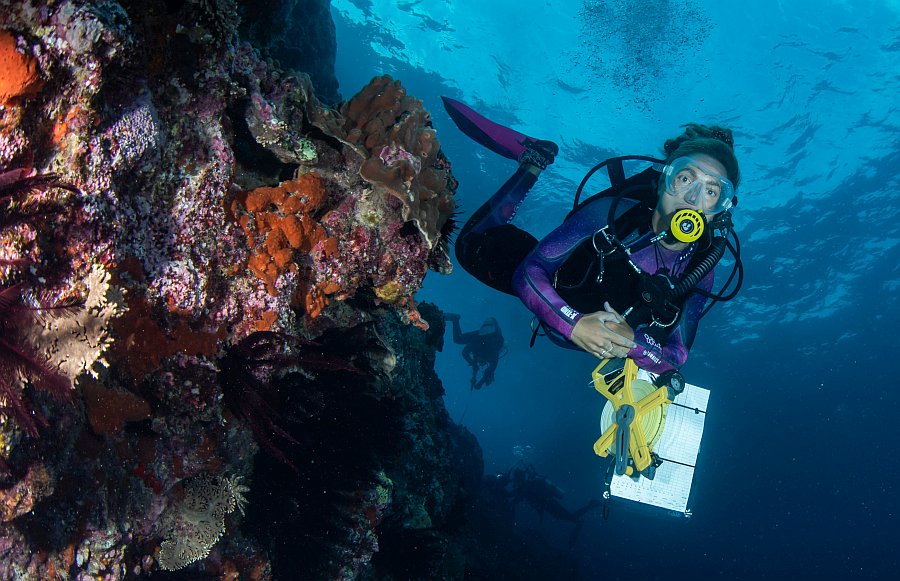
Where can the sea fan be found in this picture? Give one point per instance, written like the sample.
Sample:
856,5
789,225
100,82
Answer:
248,374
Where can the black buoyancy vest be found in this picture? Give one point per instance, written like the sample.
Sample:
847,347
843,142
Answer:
576,281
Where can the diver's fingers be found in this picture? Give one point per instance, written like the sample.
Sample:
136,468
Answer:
617,340
608,345
610,309
591,341
592,334
617,330
619,333
614,352
602,316
609,331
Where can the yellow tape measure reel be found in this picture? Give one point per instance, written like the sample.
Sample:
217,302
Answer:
634,419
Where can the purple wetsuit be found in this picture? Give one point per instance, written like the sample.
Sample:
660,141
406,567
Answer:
533,280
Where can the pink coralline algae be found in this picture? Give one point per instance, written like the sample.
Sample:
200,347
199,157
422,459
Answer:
133,134
393,154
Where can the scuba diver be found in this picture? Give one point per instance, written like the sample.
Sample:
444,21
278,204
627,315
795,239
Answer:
543,496
630,270
482,348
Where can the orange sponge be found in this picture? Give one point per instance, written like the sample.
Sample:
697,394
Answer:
19,78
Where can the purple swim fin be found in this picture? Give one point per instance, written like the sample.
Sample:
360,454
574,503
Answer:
499,139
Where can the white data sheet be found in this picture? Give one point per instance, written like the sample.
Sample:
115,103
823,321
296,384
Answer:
678,448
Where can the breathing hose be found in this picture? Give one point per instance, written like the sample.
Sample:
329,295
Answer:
722,224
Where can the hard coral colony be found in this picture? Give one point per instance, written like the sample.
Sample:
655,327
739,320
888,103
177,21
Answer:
281,224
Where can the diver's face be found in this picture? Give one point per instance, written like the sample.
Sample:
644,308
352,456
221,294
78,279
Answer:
695,185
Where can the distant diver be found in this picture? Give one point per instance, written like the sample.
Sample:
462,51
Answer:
630,270
524,483
481,348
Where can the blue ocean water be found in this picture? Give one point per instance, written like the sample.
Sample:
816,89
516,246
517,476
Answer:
797,474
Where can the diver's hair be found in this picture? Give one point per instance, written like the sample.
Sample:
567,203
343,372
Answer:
712,140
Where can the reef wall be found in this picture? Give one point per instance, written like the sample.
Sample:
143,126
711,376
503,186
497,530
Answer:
211,360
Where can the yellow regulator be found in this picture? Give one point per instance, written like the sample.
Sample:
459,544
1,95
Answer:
686,225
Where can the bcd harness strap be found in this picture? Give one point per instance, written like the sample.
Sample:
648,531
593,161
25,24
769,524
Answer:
654,305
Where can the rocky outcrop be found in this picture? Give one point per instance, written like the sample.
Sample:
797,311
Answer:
220,305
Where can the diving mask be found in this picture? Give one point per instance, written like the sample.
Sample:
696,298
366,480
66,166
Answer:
692,180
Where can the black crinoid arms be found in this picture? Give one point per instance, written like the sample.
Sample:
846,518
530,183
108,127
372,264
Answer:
252,377
17,201
21,368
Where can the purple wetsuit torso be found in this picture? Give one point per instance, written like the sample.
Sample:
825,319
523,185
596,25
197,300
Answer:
533,283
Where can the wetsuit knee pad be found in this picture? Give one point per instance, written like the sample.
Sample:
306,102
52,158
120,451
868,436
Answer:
494,255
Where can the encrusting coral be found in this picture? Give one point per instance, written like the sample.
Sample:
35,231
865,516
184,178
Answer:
281,224
109,409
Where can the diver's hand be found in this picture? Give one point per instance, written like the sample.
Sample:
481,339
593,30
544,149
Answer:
604,334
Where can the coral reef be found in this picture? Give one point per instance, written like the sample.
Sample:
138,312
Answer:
21,498
379,459
281,226
248,373
198,261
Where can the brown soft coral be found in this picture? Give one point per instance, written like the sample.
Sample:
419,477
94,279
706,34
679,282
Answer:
280,222
19,76
403,155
